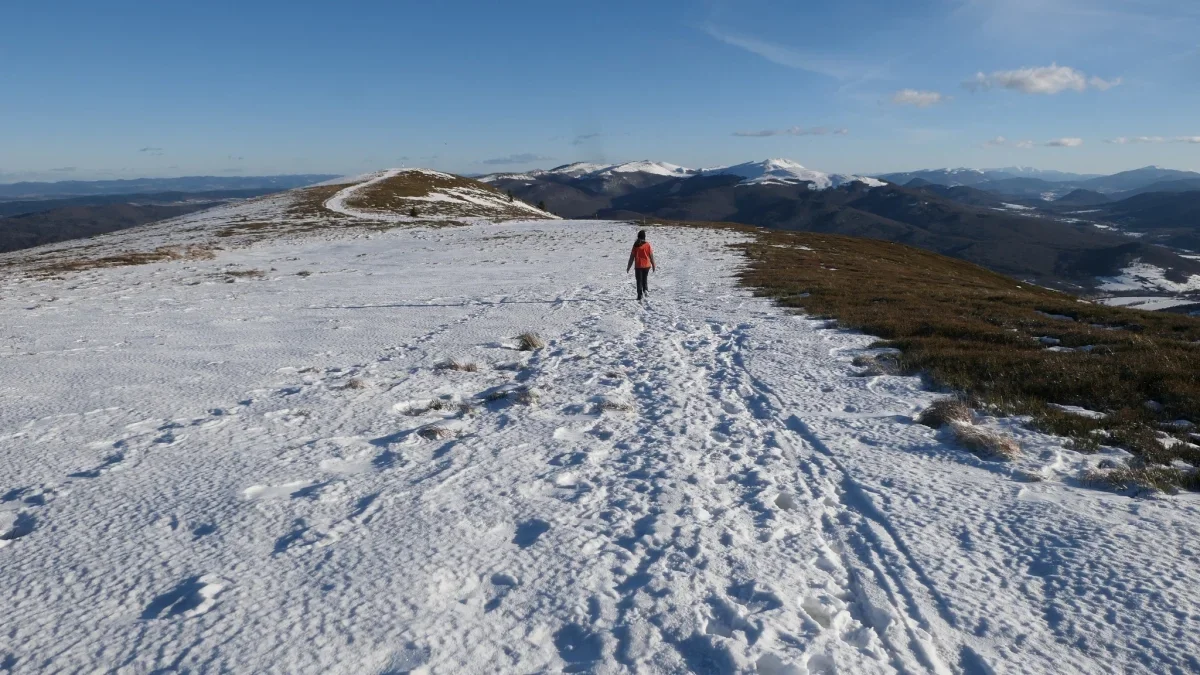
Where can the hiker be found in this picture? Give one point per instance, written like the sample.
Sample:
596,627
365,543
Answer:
641,257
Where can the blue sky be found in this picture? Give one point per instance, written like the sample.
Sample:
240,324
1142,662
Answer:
125,89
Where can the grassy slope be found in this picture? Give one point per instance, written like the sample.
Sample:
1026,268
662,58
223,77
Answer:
976,332
396,195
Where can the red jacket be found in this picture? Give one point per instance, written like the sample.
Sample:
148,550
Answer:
641,255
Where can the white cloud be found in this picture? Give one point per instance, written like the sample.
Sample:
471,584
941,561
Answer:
835,66
1002,142
920,99
1065,143
1127,140
1102,84
793,131
1130,140
1051,79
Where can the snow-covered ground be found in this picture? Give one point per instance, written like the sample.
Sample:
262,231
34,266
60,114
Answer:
1149,303
215,473
1140,276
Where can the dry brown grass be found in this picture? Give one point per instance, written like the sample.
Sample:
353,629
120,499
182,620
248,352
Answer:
61,265
945,411
245,274
437,433
521,395
1144,478
524,396
878,364
310,203
610,405
984,442
974,331
455,364
397,195
355,383
529,342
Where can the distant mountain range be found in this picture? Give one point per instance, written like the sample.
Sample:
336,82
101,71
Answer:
1051,185
92,209
76,188
971,222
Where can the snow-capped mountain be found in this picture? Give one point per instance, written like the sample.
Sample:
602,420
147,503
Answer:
648,166
574,169
788,171
755,172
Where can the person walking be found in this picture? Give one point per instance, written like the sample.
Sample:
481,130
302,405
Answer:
641,258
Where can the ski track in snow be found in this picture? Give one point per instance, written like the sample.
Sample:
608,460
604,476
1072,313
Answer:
249,477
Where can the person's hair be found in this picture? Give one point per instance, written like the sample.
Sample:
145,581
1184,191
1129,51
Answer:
641,234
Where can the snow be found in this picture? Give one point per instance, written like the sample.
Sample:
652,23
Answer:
1151,303
1017,207
787,171
577,169
647,166
203,476
493,177
1141,276
1077,410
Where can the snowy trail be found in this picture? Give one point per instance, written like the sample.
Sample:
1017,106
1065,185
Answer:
337,203
275,475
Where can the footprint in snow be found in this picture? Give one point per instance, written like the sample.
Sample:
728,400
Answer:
107,465
191,597
14,525
529,532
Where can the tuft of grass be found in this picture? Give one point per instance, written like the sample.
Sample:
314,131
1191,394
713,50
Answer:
356,383
529,342
437,433
945,411
984,442
303,273
1143,478
245,274
878,364
609,405
521,395
524,396
455,364
441,405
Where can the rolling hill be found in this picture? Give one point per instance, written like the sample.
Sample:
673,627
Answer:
967,222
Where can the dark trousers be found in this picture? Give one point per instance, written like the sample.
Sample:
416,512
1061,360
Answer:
643,276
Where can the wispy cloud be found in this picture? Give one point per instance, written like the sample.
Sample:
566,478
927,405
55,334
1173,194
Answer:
1131,140
793,131
236,158
1051,79
920,99
583,138
152,151
836,66
65,169
1002,142
1064,143
521,158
